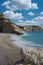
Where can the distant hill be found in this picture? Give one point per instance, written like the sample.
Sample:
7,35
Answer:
7,26
33,28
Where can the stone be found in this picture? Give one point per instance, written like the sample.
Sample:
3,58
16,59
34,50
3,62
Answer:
31,55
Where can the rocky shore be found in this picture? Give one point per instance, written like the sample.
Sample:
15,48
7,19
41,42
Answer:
32,56
10,54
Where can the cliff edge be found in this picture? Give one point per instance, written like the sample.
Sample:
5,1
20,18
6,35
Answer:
6,26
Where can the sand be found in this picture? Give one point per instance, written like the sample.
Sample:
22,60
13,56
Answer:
9,53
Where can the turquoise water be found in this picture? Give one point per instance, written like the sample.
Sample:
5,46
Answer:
33,38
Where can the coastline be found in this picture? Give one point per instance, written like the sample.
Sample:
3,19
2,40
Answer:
29,55
9,53
22,41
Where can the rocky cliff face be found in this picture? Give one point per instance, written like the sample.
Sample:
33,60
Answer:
8,27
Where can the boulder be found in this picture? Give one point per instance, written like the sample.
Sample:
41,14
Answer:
31,55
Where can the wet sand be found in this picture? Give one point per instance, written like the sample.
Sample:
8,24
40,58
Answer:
9,53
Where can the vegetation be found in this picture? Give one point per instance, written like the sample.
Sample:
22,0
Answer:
2,17
32,28
21,27
1,29
7,26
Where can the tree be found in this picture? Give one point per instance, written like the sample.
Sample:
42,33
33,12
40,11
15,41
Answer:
1,15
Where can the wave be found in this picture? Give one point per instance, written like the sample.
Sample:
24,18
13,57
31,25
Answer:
19,41
26,34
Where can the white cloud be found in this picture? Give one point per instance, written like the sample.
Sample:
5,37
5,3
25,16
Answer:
12,15
41,13
34,6
18,16
39,18
36,21
6,3
23,23
20,5
31,13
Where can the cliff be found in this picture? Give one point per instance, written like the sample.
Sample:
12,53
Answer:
6,26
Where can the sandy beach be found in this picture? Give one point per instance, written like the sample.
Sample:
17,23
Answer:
9,53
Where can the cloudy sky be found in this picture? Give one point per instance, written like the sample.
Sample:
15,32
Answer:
23,12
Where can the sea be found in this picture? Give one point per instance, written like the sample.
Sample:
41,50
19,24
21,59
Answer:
31,38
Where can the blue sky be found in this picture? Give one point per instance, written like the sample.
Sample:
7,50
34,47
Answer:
23,12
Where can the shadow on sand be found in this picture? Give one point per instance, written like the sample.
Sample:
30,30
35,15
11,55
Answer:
19,62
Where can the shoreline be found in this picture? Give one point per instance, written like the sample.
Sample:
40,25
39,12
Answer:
20,42
9,53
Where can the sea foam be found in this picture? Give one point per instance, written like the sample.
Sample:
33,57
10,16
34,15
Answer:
19,41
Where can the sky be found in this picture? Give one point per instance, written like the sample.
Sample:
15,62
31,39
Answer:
23,12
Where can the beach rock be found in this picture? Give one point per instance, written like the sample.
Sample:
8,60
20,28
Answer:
31,55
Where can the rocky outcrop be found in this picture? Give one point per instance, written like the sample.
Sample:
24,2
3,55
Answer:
32,56
33,28
7,26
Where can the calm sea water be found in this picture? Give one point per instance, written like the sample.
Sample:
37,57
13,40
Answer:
33,38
